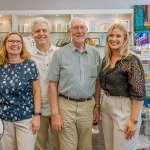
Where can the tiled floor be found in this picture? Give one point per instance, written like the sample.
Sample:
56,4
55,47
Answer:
98,139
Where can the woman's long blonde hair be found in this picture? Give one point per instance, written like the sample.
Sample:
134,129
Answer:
3,52
124,50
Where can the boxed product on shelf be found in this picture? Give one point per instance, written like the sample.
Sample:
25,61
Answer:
102,40
141,38
126,23
145,51
64,27
27,27
92,26
20,27
137,50
29,42
59,27
104,27
53,26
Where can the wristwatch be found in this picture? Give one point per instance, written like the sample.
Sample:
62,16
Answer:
134,121
37,114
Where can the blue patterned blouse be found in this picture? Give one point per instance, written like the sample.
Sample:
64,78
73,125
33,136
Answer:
16,95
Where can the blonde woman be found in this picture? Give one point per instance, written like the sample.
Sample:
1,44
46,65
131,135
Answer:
122,80
20,100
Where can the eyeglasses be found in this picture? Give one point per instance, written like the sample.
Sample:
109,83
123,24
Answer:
11,42
76,28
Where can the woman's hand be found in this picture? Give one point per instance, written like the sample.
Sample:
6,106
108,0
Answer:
35,124
130,129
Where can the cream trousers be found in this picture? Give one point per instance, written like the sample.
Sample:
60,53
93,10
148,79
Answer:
18,136
116,111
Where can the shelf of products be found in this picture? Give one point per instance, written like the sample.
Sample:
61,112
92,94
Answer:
141,25
59,22
98,22
5,24
144,54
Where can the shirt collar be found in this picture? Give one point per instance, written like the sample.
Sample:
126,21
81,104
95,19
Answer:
51,48
73,48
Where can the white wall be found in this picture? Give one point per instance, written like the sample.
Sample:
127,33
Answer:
69,4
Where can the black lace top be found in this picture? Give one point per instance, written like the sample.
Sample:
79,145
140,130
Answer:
125,79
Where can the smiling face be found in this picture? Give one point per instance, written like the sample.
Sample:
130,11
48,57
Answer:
78,31
116,39
14,45
41,34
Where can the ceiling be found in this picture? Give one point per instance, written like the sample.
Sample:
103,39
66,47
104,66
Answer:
69,4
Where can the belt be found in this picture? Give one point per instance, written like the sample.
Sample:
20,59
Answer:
108,94
76,100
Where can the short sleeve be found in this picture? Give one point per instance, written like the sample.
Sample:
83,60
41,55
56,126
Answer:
136,80
54,69
33,71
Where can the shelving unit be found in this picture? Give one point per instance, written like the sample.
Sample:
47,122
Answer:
98,22
5,23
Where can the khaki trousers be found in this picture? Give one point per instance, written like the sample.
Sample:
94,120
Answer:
78,119
116,111
18,136
42,135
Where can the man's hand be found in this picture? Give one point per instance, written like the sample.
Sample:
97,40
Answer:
96,112
57,123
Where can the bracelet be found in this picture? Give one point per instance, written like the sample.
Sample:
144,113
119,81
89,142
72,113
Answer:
134,121
37,114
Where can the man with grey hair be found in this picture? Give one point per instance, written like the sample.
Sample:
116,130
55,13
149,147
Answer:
42,54
75,89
